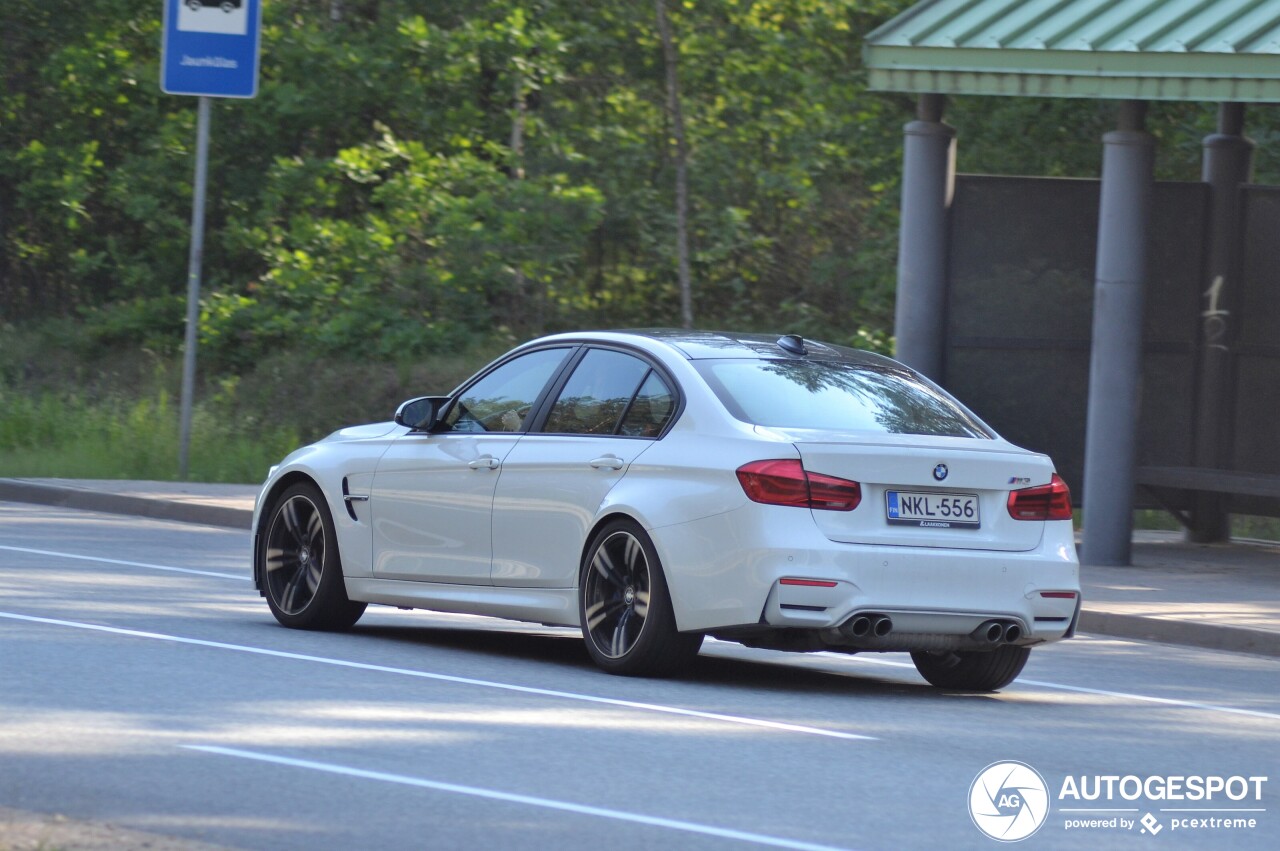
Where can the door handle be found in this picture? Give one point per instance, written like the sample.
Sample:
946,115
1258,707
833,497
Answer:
488,462
608,462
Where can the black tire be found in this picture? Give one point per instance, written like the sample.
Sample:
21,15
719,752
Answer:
986,670
300,567
625,607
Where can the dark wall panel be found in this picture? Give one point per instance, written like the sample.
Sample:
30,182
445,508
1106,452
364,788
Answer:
1259,327
1009,389
1257,366
1020,312
1020,302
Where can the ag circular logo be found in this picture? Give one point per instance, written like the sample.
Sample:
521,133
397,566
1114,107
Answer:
1008,801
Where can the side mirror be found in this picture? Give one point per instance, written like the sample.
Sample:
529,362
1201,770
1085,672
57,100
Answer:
420,414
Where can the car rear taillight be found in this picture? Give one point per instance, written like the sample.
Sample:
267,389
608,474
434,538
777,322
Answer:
1043,502
787,482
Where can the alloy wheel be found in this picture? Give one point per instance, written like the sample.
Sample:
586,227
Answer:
295,554
617,594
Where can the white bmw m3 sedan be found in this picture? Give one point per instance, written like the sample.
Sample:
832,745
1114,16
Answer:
656,487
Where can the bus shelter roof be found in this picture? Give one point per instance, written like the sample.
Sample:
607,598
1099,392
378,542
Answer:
1187,50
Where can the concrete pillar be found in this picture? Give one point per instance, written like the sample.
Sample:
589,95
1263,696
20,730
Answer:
1115,365
928,181
1228,162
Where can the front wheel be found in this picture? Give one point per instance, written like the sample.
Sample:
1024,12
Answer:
625,607
301,570
987,670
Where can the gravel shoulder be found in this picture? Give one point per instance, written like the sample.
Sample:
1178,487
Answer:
26,831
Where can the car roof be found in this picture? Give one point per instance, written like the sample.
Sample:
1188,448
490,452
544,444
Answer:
704,345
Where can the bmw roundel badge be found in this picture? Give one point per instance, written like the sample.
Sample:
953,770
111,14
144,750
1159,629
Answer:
940,472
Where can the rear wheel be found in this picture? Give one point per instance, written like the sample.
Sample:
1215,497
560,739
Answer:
625,607
986,670
301,570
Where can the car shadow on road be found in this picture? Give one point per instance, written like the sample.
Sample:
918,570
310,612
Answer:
795,673
564,650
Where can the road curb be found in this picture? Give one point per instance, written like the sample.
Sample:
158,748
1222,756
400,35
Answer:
1189,633
16,490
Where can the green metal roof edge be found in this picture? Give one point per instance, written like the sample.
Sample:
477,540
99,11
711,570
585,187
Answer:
896,61
1075,62
1117,87
995,71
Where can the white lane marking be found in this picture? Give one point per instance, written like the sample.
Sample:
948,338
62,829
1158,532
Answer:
1212,810
1144,698
449,678
513,798
1168,701
125,563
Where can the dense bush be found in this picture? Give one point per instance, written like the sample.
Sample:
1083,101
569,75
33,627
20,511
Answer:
420,182
413,175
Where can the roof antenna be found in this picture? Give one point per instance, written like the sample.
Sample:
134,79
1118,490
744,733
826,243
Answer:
792,344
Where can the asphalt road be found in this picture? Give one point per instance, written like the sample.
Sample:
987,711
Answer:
143,682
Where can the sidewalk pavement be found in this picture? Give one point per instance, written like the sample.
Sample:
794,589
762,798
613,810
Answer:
1215,596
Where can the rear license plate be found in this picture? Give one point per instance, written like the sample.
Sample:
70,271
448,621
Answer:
932,510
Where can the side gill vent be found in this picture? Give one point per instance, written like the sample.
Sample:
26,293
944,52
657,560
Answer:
347,501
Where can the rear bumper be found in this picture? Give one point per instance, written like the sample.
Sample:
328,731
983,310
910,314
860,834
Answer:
725,572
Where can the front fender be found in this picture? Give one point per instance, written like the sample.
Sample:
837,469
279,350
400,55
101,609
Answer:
330,465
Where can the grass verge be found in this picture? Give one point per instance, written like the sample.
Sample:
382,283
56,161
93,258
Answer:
116,416
68,436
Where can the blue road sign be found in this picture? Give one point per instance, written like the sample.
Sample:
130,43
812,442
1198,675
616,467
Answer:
211,48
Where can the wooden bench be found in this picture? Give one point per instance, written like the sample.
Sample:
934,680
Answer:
1207,479
1157,479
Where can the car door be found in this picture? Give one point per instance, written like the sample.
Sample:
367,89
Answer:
609,410
432,494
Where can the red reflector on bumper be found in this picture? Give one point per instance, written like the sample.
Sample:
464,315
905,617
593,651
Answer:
811,583
1059,595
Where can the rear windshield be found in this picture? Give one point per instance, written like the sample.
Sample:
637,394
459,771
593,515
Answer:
835,397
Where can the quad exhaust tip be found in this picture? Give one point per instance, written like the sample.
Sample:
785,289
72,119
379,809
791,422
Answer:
876,625
997,632
858,627
862,626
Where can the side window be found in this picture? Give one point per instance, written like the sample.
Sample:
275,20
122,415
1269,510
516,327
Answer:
502,400
651,410
597,394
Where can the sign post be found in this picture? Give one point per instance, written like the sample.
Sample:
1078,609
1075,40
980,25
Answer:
210,49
